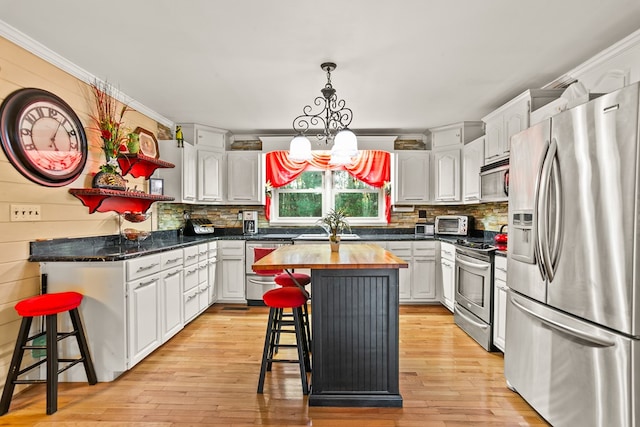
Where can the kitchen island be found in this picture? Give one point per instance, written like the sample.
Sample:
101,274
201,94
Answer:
354,313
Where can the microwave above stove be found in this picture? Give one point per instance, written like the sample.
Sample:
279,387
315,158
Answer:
454,225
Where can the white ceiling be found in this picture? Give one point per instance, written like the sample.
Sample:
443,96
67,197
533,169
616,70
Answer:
251,65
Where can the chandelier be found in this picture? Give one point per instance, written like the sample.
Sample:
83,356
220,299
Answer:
331,114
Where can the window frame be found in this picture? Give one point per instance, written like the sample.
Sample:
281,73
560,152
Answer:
328,198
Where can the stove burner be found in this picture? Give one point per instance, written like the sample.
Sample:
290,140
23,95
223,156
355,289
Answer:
473,245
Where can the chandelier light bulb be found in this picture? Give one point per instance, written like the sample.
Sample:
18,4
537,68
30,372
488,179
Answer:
300,148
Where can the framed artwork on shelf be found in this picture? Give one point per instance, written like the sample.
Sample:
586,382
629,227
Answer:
156,186
148,143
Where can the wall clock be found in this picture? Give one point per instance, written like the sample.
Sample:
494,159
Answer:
42,137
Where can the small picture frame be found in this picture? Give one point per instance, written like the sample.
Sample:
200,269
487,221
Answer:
148,143
156,186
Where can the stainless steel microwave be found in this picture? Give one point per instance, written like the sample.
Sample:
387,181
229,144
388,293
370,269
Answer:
494,181
456,225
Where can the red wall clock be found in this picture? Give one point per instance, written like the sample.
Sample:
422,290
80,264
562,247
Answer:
42,137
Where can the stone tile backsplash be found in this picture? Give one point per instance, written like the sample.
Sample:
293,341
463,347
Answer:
488,216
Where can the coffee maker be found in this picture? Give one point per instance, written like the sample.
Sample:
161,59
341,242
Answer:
250,222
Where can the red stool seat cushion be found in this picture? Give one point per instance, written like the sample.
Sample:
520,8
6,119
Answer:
284,279
284,298
46,304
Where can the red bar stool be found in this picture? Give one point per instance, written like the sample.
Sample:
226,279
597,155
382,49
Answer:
286,280
47,305
277,300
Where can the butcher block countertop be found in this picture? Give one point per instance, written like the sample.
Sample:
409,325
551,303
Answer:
319,256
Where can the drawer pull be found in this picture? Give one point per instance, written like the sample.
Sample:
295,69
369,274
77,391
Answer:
171,261
147,267
147,283
172,274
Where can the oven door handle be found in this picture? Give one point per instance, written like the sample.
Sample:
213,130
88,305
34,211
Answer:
474,322
473,264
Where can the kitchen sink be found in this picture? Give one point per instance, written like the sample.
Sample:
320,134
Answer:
323,236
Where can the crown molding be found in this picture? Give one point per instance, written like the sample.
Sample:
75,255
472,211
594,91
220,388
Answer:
43,52
629,42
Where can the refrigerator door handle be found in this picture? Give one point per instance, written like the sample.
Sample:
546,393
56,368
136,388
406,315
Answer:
558,225
596,341
543,209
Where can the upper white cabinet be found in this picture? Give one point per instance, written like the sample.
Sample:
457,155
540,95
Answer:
210,174
454,135
472,160
447,143
204,136
180,181
447,175
244,177
411,177
512,118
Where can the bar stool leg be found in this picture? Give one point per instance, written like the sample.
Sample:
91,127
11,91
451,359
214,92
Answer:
303,355
83,346
268,347
52,363
14,367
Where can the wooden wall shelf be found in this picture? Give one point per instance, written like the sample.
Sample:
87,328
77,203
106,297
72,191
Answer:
138,165
102,200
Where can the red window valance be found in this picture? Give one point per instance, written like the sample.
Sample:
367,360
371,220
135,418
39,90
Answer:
370,166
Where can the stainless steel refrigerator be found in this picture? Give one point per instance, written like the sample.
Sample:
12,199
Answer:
573,327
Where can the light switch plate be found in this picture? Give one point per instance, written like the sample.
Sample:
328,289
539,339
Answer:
25,213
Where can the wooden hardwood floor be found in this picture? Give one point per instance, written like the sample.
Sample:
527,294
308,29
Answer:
207,375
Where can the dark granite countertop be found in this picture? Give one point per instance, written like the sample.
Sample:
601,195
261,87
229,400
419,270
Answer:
116,248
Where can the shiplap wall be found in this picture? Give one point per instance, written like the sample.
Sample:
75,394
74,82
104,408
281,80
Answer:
62,215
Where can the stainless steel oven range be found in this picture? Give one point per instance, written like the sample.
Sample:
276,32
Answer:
473,311
257,285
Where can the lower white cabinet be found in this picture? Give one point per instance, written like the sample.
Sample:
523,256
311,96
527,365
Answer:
144,314
447,273
232,285
129,308
418,282
213,272
500,302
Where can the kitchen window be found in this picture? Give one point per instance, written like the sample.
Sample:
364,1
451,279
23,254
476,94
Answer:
312,194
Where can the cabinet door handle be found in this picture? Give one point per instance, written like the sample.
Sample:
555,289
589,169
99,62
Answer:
501,269
147,267
195,270
172,274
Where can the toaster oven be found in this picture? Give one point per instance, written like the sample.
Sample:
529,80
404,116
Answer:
455,225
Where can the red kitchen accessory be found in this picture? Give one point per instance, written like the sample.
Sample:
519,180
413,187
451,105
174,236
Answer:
501,239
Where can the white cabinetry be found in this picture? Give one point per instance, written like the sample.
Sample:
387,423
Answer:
411,177
500,302
244,177
511,118
447,273
454,135
180,181
472,160
233,275
418,282
143,312
447,175
210,176
213,272
171,287
204,136
447,143
129,308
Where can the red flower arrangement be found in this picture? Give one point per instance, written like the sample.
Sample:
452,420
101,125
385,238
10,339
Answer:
109,119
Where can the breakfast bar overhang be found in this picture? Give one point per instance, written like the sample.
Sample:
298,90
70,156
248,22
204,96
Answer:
354,312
